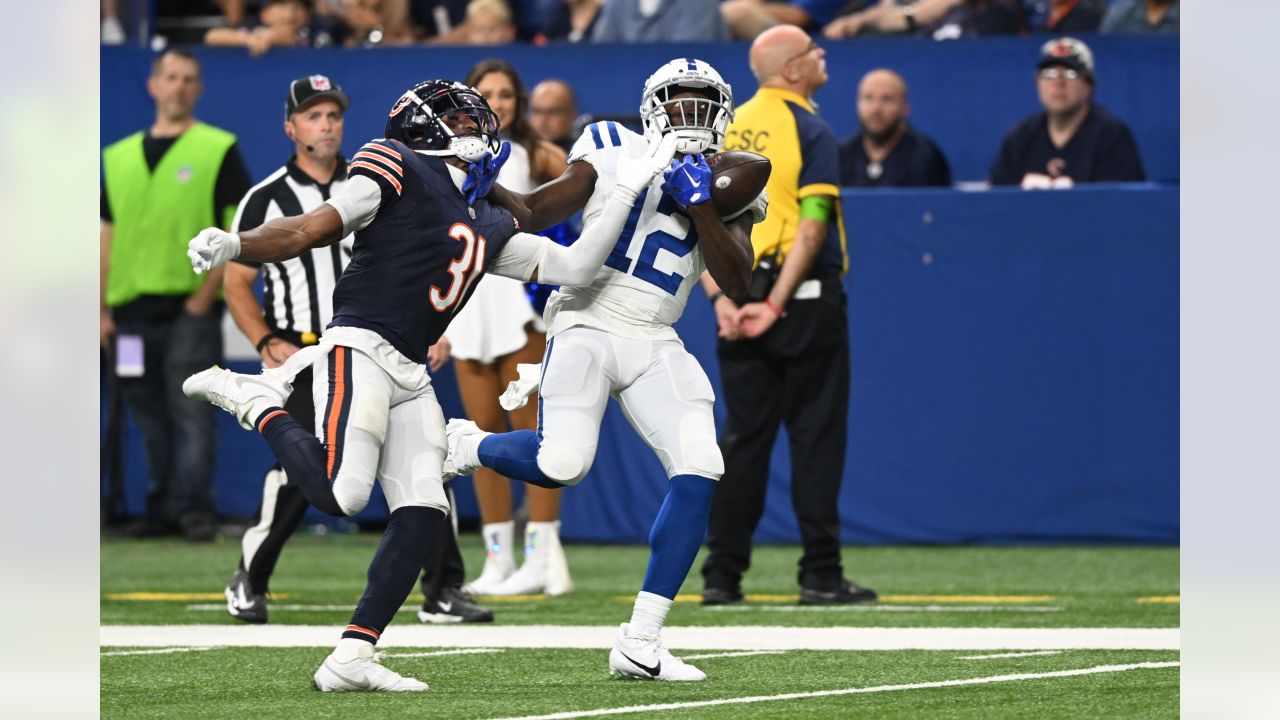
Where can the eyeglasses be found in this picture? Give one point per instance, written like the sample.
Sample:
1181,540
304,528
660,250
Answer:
1054,73
812,46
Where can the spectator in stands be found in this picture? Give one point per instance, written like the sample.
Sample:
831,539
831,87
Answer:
748,18
938,19
553,107
410,21
629,21
888,151
1142,16
1066,16
281,23
160,187
497,330
569,21
489,22
1074,140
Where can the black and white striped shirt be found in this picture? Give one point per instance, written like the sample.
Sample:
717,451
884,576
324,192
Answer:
298,293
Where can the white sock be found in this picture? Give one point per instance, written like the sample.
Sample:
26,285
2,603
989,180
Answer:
649,614
351,648
498,537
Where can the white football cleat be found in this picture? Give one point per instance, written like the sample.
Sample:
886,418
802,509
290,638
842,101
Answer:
244,396
364,673
644,658
463,437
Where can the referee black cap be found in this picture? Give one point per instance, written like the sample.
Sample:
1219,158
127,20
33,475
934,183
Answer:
310,89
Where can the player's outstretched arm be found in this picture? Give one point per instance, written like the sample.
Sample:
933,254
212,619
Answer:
279,239
552,202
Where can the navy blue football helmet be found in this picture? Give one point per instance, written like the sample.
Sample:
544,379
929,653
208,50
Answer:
422,116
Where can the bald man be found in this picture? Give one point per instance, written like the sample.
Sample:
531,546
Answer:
553,107
889,152
784,348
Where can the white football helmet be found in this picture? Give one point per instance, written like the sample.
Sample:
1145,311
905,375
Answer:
702,121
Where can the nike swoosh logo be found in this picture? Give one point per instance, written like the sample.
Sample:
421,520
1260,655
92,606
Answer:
692,182
653,671
446,606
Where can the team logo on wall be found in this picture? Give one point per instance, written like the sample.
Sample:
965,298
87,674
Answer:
405,99
320,83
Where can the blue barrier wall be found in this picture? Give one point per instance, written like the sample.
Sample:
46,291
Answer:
1015,379
965,94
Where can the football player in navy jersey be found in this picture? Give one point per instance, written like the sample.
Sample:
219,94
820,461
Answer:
424,235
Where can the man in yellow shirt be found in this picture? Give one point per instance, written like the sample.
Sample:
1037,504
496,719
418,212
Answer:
784,352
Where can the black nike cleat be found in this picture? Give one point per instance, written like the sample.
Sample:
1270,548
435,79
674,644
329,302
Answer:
721,596
454,606
243,603
847,594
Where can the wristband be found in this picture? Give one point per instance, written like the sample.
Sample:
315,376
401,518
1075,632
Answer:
776,311
266,339
715,296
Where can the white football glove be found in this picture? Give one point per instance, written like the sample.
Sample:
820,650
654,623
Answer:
519,390
635,173
211,248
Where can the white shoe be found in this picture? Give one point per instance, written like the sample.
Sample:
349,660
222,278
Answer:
244,396
545,569
644,658
363,673
499,560
463,438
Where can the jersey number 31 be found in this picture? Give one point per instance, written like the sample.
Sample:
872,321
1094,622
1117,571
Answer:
464,270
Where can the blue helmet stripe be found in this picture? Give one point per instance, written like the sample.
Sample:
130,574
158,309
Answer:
693,64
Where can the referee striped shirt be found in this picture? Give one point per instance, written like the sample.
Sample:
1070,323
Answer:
297,293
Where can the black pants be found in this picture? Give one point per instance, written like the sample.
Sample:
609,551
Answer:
282,507
798,374
178,433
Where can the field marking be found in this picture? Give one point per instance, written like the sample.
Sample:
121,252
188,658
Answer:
1010,655
793,597
434,653
1172,599
850,691
744,653
158,651
413,635
875,608
172,596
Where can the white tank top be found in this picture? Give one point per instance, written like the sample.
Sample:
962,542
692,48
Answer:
492,323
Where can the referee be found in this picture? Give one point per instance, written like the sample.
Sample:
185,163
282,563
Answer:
297,305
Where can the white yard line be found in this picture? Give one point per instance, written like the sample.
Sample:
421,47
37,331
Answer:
879,608
434,653
412,635
745,653
848,691
1010,655
159,651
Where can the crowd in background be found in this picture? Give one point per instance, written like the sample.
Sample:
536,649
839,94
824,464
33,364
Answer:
263,24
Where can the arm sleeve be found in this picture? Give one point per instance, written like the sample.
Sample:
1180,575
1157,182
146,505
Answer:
232,184
357,203
819,157
384,165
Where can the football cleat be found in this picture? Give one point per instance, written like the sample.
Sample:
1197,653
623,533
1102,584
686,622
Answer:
244,396
463,438
721,596
243,603
365,672
848,593
645,658
453,606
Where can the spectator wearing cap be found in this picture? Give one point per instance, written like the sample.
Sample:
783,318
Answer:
1074,140
888,151
1142,17
161,186
281,23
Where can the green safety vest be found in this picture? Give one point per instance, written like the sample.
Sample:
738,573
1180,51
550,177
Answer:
154,214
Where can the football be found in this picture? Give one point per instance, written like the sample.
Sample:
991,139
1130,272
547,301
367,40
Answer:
737,177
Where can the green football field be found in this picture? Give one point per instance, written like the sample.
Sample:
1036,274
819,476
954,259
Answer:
959,632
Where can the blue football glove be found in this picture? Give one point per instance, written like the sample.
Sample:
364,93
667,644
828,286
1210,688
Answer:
688,181
482,173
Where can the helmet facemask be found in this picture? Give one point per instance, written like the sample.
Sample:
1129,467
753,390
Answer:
430,128
698,123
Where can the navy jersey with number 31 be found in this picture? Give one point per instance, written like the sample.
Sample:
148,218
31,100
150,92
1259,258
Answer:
416,264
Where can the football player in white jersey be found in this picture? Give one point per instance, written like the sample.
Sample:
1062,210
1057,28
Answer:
613,337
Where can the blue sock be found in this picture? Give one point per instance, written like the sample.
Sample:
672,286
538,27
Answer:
515,454
677,533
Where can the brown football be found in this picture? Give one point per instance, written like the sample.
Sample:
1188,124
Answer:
737,177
